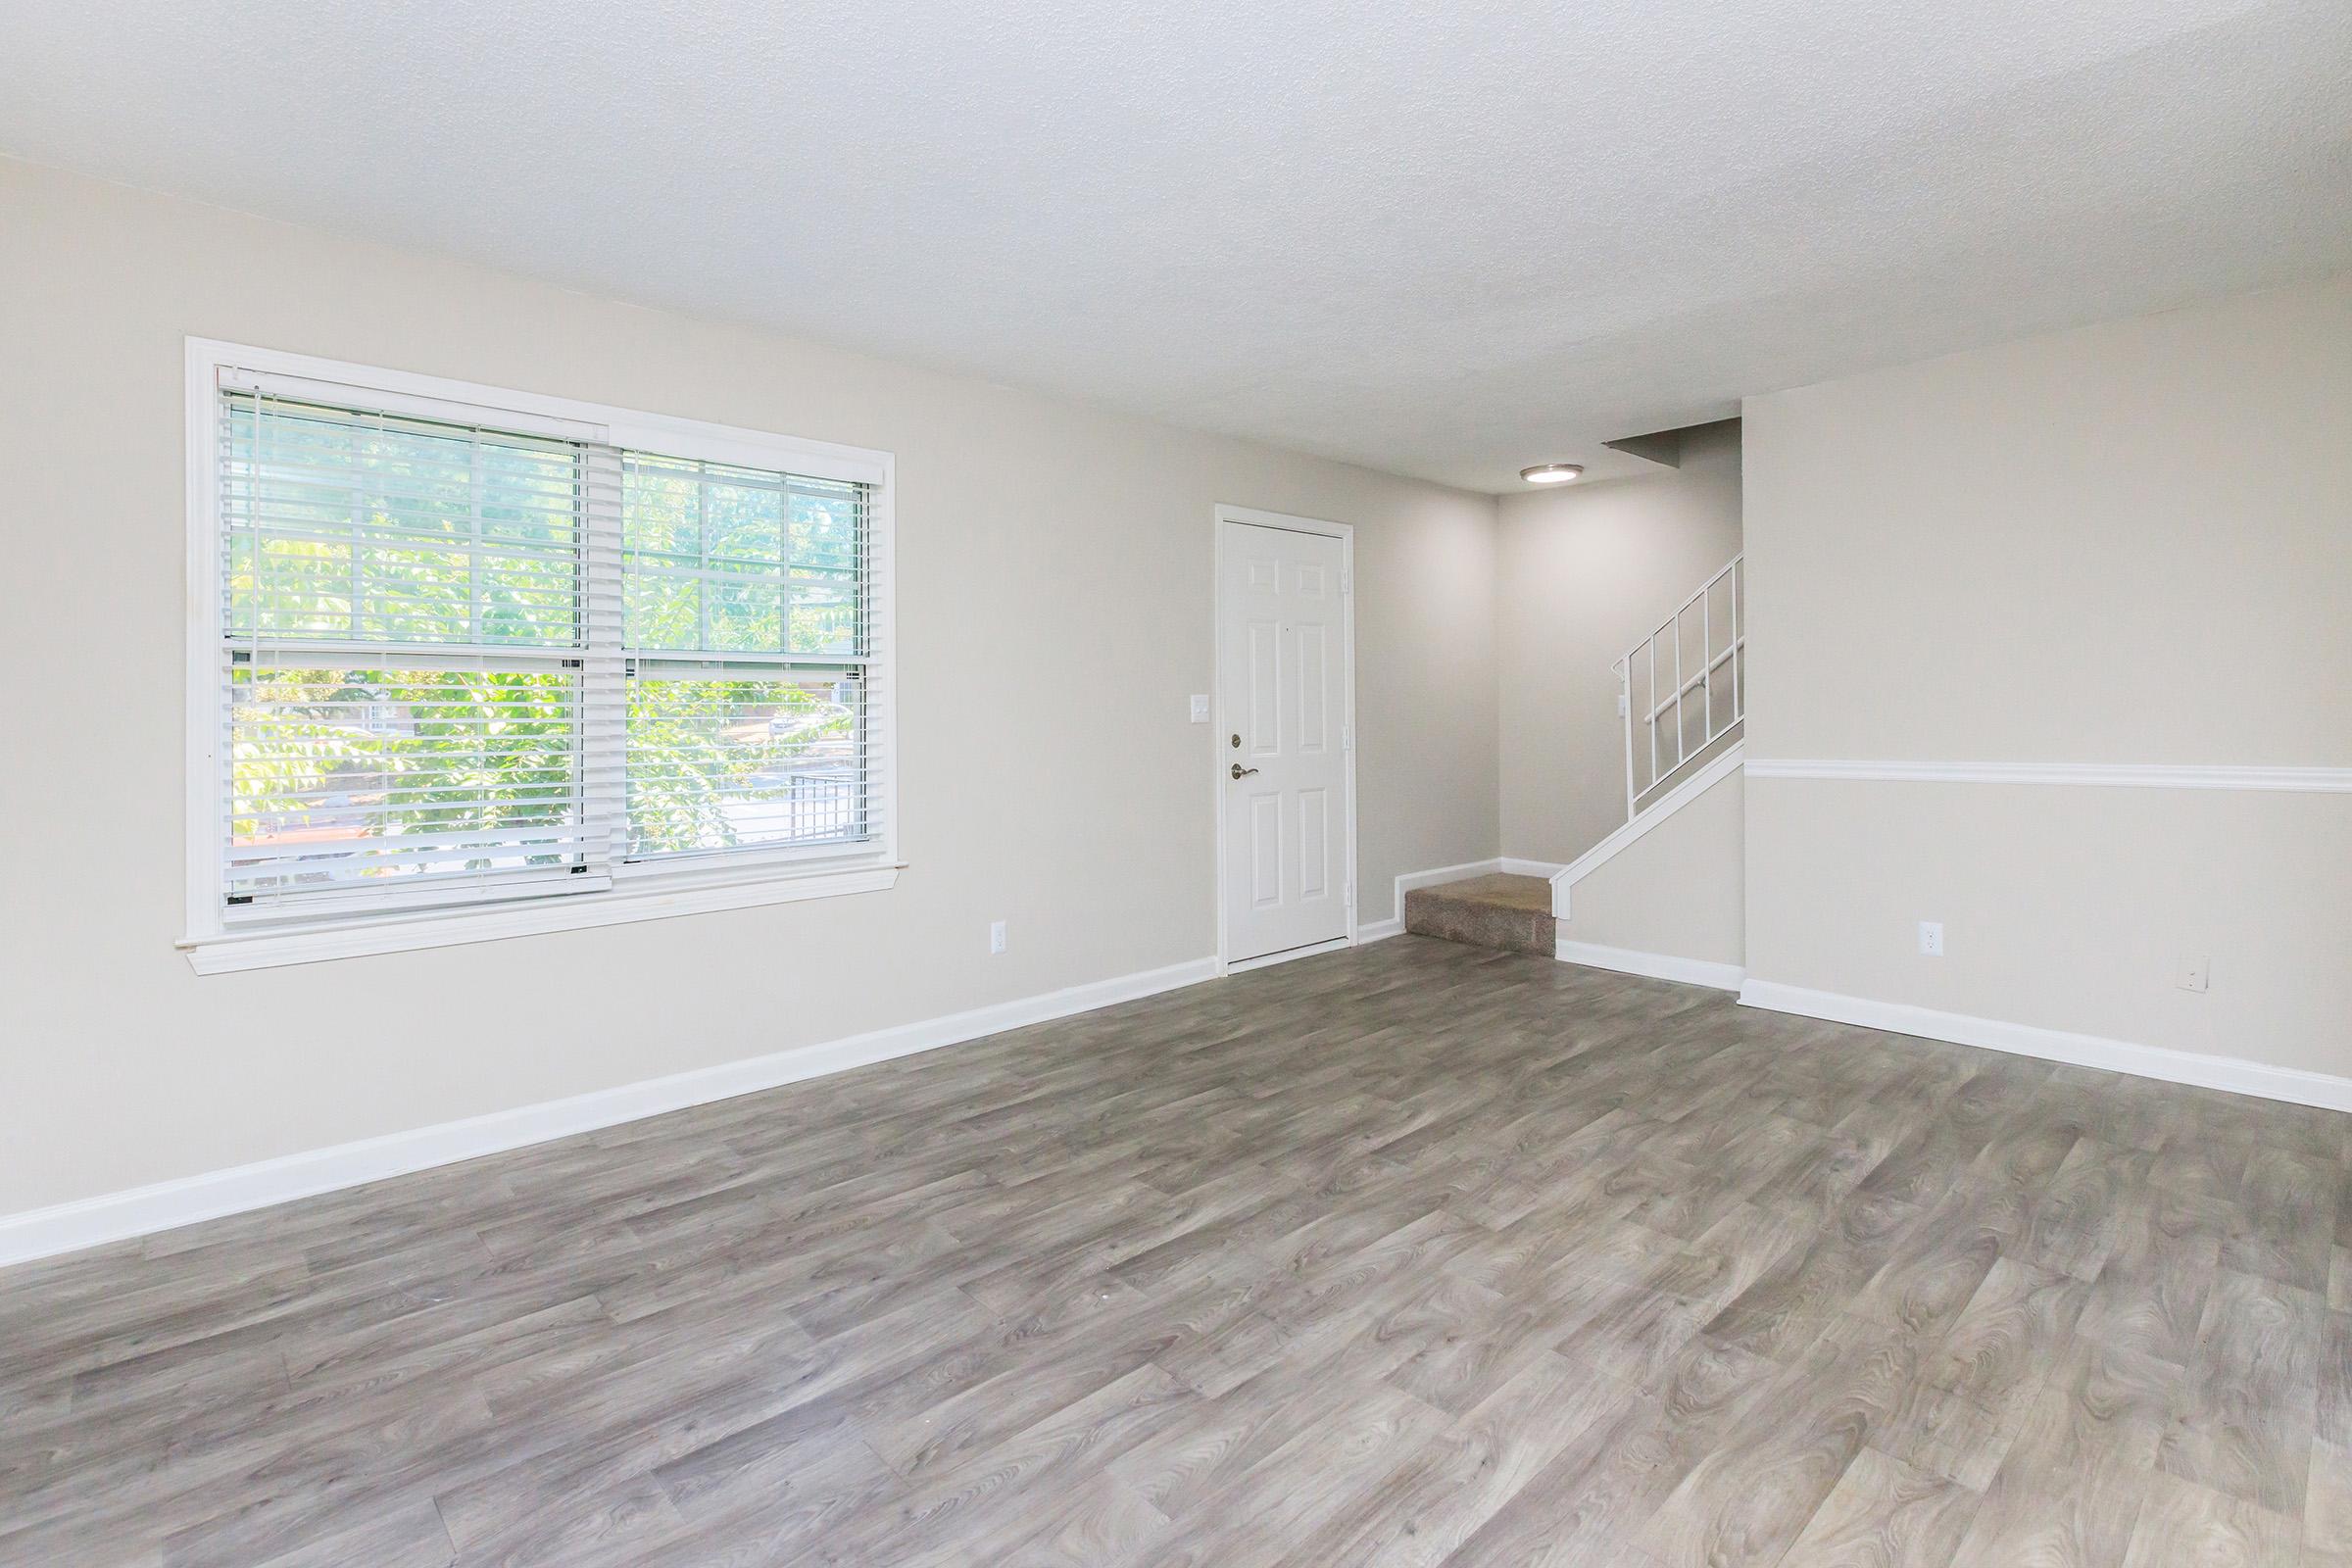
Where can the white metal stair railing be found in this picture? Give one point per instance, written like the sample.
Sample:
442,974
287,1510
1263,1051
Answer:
1704,658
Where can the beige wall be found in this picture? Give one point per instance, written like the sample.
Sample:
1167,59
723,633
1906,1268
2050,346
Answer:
1054,601
1584,573
1677,890
2129,544
2067,907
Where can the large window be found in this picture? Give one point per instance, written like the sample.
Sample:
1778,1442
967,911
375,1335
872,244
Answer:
495,655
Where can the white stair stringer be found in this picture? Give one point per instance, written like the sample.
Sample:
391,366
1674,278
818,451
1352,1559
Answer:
1729,759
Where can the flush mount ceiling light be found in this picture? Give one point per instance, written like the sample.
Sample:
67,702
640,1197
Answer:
1551,472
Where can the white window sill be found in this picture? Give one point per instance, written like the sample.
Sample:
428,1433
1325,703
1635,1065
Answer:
651,899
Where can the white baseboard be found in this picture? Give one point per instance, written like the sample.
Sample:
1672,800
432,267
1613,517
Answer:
1656,966
2294,1084
166,1205
1441,873
1378,931
1450,874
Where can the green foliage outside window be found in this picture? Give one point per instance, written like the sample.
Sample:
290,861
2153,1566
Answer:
718,562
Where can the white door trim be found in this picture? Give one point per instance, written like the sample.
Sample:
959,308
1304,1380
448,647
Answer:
1344,533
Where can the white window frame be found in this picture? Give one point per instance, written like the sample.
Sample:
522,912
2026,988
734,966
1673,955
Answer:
641,890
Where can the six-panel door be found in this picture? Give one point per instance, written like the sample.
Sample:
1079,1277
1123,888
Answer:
1282,657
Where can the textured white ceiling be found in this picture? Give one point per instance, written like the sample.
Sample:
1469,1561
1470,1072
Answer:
1441,239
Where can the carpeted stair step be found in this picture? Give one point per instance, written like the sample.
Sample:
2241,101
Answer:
1509,912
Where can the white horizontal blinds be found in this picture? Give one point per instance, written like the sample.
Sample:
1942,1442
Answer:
407,610
755,713
346,525
603,670
395,784
723,758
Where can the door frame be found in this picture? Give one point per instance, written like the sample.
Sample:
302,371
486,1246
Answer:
1344,533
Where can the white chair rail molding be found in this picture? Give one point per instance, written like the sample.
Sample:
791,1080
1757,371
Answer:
2103,775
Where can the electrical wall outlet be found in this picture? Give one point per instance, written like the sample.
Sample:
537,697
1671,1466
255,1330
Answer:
996,936
2196,973
1931,937
1199,707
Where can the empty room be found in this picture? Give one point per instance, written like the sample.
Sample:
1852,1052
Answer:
1091,786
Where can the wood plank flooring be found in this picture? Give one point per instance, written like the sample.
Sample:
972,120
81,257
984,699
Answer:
1414,1254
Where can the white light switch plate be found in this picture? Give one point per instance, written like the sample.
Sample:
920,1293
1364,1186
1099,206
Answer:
1200,708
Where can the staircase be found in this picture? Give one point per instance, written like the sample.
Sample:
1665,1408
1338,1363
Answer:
1682,701
1509,912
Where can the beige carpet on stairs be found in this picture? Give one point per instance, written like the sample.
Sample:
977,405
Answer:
1509,912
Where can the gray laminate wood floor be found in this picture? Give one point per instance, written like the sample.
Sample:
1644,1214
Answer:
1413,1254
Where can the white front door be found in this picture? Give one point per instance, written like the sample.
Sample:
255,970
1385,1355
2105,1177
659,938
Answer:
1282,759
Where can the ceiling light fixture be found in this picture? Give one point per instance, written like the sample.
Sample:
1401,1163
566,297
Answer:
1551,472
